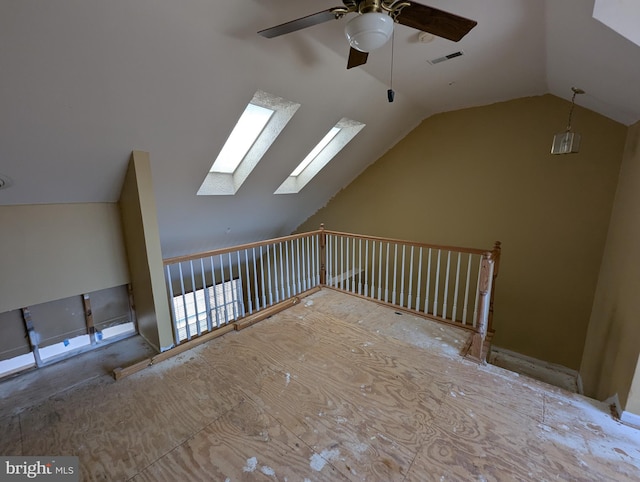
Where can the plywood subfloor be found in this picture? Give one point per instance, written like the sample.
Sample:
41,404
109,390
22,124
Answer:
334,389
36,385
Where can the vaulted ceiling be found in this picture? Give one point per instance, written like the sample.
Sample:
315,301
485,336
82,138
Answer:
84,82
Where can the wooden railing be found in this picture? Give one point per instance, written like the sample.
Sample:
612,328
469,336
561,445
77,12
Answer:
213,289
446,283
235,285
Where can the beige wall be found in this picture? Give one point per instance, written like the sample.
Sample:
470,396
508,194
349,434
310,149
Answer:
142,240
613,341
52,251
478,175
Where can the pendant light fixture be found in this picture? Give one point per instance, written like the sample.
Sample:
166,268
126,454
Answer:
567,142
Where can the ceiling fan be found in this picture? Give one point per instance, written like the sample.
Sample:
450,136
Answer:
373,26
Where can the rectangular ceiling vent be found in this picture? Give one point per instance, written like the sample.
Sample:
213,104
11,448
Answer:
446,57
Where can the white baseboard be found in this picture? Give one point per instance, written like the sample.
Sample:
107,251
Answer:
551,373
536,361
630,419
579,384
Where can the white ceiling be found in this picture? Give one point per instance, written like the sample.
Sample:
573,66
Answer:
84,82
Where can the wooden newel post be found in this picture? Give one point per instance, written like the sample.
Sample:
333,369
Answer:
323,256
495,255
486,275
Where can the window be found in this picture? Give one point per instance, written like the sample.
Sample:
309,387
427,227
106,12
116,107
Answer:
223,301
332,143
259,125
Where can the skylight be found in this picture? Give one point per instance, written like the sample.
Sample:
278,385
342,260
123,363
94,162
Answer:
244,134
332,143
260,124
316,150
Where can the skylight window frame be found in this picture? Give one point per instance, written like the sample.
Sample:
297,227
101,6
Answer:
228,183
348,129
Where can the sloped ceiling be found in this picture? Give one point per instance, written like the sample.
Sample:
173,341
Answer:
84,82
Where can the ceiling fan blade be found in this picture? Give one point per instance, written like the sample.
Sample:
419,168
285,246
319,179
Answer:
356,58
299,24
437,22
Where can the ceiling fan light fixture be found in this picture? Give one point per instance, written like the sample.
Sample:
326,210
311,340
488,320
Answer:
369,31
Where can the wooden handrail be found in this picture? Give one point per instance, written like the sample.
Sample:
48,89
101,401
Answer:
411,243
324,232
233,249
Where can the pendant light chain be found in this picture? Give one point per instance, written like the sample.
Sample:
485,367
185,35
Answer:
576,91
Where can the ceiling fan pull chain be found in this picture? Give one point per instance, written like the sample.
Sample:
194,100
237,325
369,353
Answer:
390,92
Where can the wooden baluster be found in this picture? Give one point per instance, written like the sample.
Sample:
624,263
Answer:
281,291
300,264
360,266
184,304
418,286
215,291
323,256
269,284
395,273
224,291
263,288
466,290
436,285
401,299
353,265
454,312
380,271
428,279
366,269
249,300
342,263
234,293
373,269
207,301
303,250
172,305
241,299
410,294
289,267
313,262
475,303
194,292
445,295
255,280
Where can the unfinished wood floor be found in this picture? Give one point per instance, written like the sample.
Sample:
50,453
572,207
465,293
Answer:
334,389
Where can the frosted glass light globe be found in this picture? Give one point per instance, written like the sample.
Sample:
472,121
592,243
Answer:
369,31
